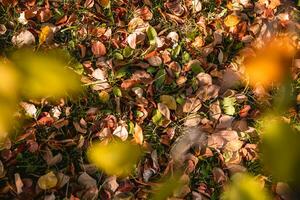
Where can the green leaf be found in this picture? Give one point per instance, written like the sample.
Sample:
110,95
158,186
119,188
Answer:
151,34
228,105
121,72
127,52
160,78
118,56
117,91
176,51
185,57
157,117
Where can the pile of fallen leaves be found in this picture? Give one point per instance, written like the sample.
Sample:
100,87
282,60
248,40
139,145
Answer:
172,97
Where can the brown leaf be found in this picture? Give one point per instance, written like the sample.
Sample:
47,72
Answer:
98,48
19,183
191,105
89,3
219,175
144,13
44,14
164,110
62,180
86,180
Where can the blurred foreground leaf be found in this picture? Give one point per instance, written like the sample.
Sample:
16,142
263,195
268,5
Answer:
167,187
280,154
115,158
245,187
45,74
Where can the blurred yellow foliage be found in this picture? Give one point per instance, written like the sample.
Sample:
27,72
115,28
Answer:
32,75
245,187
115,158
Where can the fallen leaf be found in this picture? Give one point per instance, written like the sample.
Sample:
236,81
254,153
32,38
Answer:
231,20
104,3
47,181
191,105
24,38
138,134
121,132
19,183
169,101
86,180
98,48
164,110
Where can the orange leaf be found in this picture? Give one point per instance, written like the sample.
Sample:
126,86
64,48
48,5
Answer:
104,3
138,134
231,20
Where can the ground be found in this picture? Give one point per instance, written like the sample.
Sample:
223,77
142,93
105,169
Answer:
139,99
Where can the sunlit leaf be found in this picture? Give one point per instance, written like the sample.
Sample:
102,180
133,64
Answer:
115,158
228,105
231,20
45,31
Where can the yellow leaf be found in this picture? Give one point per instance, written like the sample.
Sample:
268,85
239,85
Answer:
47,181
115,158
169,101
45,31
104,96
231,20
138,134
